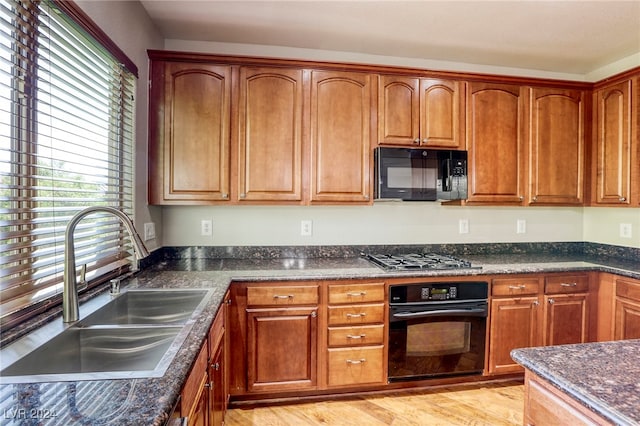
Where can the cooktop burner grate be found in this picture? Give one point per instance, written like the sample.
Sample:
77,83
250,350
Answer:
412,261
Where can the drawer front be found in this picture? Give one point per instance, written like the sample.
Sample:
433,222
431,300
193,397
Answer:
356,336
356,293
566,284
350,366
515,286
628,288
282,295
356,314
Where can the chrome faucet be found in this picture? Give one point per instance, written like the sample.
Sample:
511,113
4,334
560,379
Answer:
70,305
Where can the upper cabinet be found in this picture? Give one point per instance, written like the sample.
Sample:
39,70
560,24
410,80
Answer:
270,142
496,143
189,133
341,109
616,146
420,112
556,146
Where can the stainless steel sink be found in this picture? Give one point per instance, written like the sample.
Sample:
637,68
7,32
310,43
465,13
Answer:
149,307
135,335
96,350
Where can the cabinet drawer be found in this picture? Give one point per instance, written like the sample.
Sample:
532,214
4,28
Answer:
349,366
282,295
566,284
356,336
629,289
356,293
515,286
356,314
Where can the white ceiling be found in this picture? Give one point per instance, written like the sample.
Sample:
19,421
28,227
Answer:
574,37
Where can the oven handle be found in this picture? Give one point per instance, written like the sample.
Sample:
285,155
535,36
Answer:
442,312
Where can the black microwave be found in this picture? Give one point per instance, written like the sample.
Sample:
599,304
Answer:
413,174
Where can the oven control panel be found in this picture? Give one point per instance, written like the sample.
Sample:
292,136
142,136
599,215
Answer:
426,292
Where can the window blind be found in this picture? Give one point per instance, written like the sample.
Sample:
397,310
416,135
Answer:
66,143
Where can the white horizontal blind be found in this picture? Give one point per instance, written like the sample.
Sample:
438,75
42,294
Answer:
66,142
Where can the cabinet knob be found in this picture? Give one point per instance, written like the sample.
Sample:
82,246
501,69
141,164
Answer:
521,198
243,195
551,301
534,199
622,199
416,141
536,303
225,196
425,140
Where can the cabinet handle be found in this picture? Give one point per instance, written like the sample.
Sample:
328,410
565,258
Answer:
416,141
216,366
568,284
362,293
517,287
551,301
208,385
356,361
283,296
360,336
362,314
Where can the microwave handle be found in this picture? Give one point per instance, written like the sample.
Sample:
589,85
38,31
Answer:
446,175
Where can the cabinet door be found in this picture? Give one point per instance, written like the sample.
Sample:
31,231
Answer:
398,110
441,121
613,144
556,166
514,324
217,394
270,134
495,143
627,322
341,119
192,147
281,349
566,319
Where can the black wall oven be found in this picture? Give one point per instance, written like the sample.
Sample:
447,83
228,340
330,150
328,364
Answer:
437,329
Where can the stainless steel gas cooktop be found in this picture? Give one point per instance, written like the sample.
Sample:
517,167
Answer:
418,261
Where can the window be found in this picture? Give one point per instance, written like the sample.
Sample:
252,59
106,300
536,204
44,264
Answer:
66,142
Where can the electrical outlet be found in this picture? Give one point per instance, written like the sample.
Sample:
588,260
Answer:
463,226
206,228
149,231
625,230
521,226
306,228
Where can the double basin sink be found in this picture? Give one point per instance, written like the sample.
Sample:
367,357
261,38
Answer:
136,334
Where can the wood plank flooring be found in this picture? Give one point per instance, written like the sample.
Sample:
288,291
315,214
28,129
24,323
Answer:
500,403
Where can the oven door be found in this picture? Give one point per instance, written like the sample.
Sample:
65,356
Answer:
434,340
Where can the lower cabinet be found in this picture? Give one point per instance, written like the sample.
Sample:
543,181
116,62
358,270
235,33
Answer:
204,396
546,405
627,309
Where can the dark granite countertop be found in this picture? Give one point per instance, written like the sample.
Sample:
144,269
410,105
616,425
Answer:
149,401
604,377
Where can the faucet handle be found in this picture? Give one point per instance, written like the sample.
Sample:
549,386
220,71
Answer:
83,277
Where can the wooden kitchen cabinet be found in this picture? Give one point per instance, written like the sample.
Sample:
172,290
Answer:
496,143
194,402
270,134
556,146
616,172
356,345
515,321
189,133
420,112
342,107
627,309
274,341
566,309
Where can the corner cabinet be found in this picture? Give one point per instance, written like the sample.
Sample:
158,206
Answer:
616,145
420,112
340,132
496,143
556,145
270,134
189,133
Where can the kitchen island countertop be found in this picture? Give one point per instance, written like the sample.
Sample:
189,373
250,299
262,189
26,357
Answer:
150,401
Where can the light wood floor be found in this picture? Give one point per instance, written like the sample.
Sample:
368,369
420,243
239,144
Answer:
473,404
